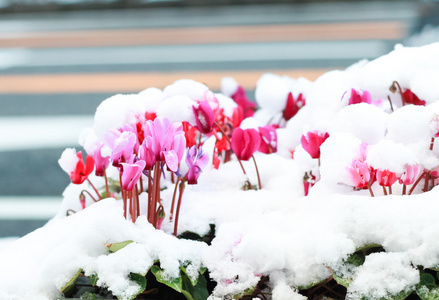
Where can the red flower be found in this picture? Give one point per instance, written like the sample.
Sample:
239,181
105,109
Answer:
190,133
248,107
312,141
386,177
204,117
81,172
408,97
245,142
293,106
268,139
359,96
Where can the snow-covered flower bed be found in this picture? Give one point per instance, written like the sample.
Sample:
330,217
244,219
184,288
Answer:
328,189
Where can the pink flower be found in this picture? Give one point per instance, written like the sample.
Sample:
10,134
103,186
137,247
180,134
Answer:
245,142
385,177
167,141
101,162
408,97
204,117
131,174
268,139
147,154
312,141
360,173
121,145
196,161
359,96
240,98
434,126
293,106
410,174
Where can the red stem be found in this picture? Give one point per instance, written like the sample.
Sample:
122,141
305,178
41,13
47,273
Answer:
136,195
370,190
416,182
384,189
432,144
122,192
404,189
156,186
257,173
390,190
173,200
177,214
89,182
150,194
90,195
106,184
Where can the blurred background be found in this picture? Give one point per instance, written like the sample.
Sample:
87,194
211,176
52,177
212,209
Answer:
60,58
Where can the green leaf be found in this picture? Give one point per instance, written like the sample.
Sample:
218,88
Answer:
114,247
247,292
71,282
427,280
368,247
140,280
94,279
174,283
88,296
196,291
356,259
305,287
426,294
342,281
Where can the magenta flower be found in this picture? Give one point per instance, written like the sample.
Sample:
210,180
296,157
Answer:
410,174
410,98
312,141
146,153
101,162
131,174
293,106
121,145
240,98
167,141
204,117
245,142
386,177
196,161
359,96
360,174
268,139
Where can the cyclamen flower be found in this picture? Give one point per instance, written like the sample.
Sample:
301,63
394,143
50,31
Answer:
360,174
240,98
293,106
312,141
196,161
385,177
359,96
268,139
121,145
434,126
409,97
147,154
131,174
101,162
410,174
245,143
167,141
72,163
204,117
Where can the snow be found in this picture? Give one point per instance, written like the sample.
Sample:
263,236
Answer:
275,231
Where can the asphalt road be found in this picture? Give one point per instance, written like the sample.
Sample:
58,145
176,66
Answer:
55,69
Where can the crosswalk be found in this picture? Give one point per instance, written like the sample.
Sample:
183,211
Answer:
56,68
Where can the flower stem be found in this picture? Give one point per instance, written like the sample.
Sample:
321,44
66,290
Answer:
85,191
427,181
150,194
106,184
384,189
390,190
370,190
173,200
156,186
122,192
404,189
99,195
257,173
391,104
136,195
432,144
416,182
177,214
